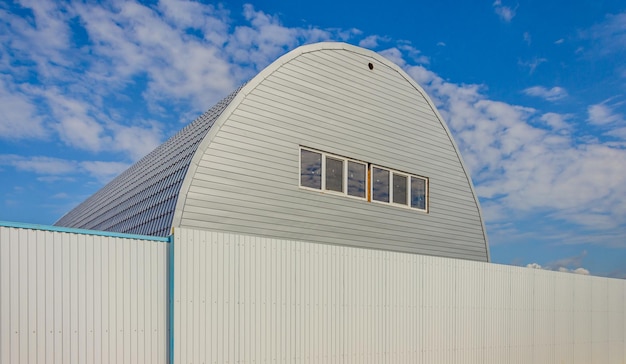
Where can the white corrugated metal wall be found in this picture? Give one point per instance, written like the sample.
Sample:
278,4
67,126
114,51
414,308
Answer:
76,297
242,299
68,297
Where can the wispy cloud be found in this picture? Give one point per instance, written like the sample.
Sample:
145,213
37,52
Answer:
571,264
57,169
609,36
505,13
532,64
412,53
552,94
527,38
101,170
520,168
39,164
555,121
20,118
579,270
403,53
604,114
373,41
178,57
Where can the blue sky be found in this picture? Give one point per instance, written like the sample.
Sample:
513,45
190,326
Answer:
534,93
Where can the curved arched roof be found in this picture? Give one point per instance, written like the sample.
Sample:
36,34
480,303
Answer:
151,196
143,198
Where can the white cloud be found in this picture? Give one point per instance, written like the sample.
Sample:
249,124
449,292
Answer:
373,41
103,171
505,13
441,44
603,114
137,40
556,121
136,140
581,270
57,169
19,118
39,164
255,46
520,169
527,38
76,126
571,264
413,53
394,55
618,132
553,94
44,39
559,41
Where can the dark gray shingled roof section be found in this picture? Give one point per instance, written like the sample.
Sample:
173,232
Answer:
143,198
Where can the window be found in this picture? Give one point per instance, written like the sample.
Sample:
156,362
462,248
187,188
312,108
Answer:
322,171
418,193
341,175
334,174
400,189
357,183
310,169
380,184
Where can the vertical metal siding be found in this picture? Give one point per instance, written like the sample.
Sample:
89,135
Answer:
243,299
68,297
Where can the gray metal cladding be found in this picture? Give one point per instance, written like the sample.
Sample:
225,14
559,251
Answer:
142,199
325,97
242,176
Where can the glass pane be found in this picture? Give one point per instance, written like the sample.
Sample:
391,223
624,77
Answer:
399,189
310,169
334,174
356,179
380,184
418,193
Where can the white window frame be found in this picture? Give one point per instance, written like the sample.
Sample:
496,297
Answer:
369,181
323,173
390,184
366,179
426,193
407,201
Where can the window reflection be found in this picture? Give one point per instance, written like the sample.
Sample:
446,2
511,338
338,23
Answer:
310,169
399,189
380,185
334,174
323,171
418,193
356,179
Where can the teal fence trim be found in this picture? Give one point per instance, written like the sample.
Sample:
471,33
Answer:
61,229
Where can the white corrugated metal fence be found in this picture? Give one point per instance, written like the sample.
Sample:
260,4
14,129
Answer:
84,297
68,297
242,299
